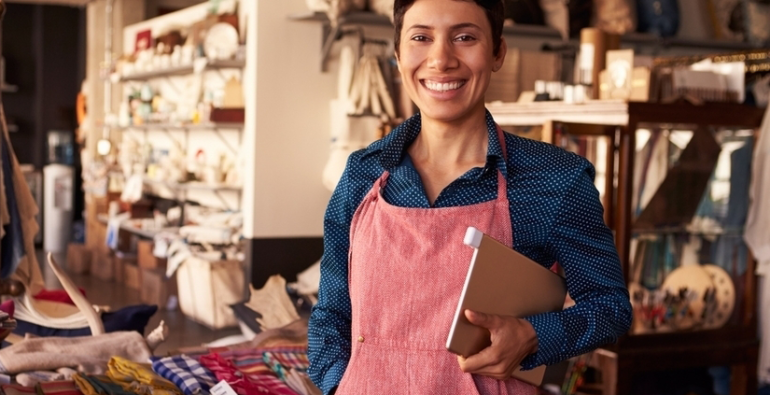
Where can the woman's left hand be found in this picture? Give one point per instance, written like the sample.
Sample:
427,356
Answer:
512,340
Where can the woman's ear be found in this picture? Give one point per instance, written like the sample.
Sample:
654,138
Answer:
398,61
500,57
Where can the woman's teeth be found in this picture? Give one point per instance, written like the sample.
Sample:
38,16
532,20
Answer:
443,87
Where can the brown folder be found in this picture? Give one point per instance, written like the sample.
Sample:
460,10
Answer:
504,282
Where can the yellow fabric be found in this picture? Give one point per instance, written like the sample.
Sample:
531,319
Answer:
83,385
125,373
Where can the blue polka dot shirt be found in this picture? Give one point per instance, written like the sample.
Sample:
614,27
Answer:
556,216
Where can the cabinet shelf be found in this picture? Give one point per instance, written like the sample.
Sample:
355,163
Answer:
147,234
9,88
181,70
688,231
182,126
195,185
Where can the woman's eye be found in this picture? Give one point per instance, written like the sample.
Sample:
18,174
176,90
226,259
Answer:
419,38
465,37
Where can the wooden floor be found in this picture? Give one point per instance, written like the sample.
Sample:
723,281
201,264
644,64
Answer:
183,332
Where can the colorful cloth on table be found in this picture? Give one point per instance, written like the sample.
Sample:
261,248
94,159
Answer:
246,372
283,361
15,389
128,374
186,373
98,385
58,388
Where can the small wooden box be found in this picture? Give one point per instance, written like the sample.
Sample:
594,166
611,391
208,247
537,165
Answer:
102,265
132,275
156,289
146,259
78,258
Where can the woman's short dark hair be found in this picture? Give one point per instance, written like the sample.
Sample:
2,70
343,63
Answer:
494,9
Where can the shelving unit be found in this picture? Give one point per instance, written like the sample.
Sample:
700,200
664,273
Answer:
736,343
331,34
181,70
181,126
147,234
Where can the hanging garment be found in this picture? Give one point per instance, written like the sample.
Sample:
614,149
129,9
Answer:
64,387
12,249
757,235
400,326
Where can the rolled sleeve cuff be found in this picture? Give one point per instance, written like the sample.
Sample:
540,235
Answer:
550,333
333,377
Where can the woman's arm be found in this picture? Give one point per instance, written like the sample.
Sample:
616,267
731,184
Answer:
584,246
329,326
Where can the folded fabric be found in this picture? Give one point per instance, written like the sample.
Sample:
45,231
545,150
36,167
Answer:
31,379
246,371
281,362
131,318
186,373
98,385
88,354
57,295
58,388
15,389
124,371
7,307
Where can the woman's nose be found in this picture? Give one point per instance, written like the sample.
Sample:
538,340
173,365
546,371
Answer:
441,56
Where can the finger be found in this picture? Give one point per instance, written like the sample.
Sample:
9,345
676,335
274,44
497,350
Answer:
479,319
484,359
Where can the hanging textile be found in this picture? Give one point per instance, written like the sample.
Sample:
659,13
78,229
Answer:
757,237
27,270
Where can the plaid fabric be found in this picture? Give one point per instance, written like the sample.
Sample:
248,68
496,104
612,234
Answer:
186,373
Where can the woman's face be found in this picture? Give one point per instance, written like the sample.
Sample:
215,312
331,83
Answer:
446,58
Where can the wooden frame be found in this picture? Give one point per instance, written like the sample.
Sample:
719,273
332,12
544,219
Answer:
733,345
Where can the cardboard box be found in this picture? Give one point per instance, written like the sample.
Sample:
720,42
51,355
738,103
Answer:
156,288
78,258
102,265
146,259
132,275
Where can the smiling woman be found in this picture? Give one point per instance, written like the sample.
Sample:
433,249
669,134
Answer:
394,261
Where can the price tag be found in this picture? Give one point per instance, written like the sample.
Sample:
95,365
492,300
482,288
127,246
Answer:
223,389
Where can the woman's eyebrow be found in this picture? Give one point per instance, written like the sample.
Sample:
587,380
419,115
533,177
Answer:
453,27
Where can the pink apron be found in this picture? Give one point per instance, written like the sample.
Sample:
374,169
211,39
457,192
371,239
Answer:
406,271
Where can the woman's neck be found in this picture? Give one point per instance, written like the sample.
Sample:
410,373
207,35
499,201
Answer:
443,152
451,144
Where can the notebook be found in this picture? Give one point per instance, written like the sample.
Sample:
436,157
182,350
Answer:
504,282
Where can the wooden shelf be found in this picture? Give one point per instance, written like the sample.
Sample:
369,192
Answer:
183,126
9,88
13,128
182,70
195,185
616,113
148,234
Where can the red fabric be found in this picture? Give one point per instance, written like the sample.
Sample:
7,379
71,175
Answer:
247,373
8,307
57,295
406,271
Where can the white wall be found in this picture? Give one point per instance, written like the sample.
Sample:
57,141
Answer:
292,133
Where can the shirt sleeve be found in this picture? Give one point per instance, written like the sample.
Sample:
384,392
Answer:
583,245
329,325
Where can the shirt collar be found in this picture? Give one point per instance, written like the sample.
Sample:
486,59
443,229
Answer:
394,145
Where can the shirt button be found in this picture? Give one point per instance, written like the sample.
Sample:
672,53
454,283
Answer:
360,339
